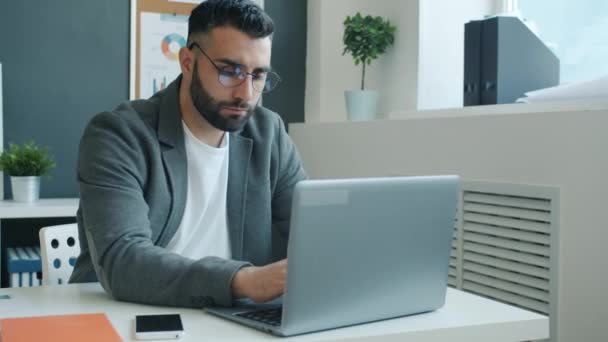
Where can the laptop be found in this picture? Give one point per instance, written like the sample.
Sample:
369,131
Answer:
360,250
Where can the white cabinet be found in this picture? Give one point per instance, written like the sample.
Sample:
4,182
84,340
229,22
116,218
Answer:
49,207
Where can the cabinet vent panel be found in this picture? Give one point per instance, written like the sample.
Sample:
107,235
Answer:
506,200
518,213
525,258
508,286
507,265
518,246
515,234
518,278
503,243
510,222
452,281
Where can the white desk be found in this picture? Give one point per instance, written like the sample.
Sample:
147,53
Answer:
465,317
48,207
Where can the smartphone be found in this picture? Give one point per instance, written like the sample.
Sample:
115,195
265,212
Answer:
158,327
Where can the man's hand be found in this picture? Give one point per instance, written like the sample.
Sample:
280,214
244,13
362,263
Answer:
260,284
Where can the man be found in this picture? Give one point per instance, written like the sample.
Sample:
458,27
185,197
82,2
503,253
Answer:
185,198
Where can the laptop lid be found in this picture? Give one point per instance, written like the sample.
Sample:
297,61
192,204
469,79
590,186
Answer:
363,250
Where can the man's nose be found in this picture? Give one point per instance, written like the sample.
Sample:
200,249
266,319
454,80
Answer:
245,91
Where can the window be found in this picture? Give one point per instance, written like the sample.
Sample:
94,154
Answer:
574,30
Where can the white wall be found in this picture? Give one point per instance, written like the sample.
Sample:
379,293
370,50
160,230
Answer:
329,74
441,49
423,70
566,149
314,67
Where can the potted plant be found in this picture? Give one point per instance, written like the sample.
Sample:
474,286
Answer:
25,164
365,38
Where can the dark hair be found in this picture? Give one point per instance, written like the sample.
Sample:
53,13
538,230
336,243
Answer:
244,15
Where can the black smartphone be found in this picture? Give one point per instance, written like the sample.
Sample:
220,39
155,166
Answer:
157,327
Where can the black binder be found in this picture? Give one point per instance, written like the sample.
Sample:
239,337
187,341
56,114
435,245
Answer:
472,71
503,60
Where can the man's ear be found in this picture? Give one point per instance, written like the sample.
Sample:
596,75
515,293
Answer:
186,62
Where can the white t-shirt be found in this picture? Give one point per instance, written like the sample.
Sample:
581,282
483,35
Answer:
203,230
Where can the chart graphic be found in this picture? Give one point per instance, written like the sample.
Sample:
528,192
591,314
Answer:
158,84
163,35
171,44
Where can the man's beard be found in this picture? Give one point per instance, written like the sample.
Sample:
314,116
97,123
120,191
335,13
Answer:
210,108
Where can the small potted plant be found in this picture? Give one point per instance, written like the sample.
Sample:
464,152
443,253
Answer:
365,38
25,164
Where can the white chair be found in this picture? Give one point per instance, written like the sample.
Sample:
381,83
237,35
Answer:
59,247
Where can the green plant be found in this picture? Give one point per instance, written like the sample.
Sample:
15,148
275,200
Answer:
26,160
366,38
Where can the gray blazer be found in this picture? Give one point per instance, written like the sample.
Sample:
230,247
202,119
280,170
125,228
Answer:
133,181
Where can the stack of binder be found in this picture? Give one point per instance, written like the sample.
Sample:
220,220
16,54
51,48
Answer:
503,60
24,266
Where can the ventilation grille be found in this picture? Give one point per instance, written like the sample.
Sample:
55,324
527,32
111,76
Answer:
502,244
455,262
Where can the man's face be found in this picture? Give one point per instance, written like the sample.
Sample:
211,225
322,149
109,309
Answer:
227,108
211,108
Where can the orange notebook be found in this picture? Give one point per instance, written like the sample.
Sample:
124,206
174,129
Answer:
66,328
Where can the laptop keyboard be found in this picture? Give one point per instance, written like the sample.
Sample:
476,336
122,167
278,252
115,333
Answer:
267,316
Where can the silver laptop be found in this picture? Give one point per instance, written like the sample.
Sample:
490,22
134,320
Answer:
360,250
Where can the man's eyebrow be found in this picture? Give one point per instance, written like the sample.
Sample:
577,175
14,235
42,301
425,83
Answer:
236,64
229,62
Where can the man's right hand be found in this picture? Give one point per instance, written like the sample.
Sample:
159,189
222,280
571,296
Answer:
260,284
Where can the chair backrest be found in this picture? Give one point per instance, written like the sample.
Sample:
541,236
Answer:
59,247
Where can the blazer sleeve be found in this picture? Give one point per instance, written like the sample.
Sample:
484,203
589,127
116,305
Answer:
114,158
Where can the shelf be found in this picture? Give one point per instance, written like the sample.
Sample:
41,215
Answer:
50,207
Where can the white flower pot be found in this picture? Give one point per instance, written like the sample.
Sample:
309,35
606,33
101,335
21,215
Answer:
25,189
361,105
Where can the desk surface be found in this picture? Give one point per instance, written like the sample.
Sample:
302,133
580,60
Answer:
465,317
48,207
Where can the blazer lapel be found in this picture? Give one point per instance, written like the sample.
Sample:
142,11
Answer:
171,137
238,167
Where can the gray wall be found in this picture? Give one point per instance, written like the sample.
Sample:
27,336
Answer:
288,58
63,61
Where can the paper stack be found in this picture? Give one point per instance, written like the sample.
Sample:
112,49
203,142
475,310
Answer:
593,90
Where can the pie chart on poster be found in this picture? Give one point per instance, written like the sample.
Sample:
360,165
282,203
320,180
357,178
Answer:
171,44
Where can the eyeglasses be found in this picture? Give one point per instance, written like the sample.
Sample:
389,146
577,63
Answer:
231,76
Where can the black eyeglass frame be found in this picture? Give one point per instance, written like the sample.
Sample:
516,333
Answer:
239,74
